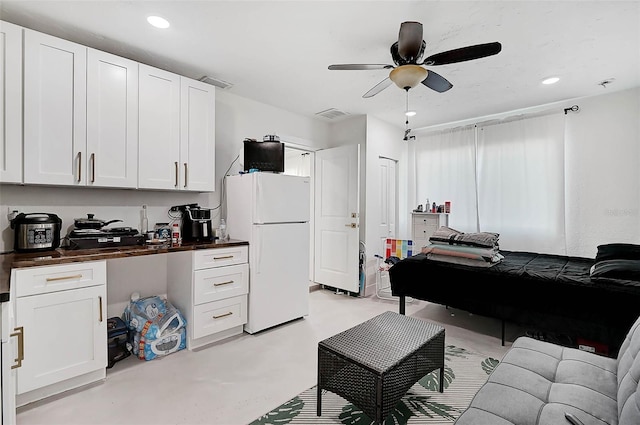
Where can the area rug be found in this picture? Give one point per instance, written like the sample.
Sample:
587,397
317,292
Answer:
465,372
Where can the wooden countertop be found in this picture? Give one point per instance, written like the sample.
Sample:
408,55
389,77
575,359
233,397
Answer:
13,260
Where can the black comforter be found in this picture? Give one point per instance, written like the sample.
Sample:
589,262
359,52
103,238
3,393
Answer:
548,292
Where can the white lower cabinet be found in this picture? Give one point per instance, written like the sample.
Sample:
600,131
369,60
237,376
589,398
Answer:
63,325
210,288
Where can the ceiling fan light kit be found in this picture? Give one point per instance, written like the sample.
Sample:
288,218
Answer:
408,76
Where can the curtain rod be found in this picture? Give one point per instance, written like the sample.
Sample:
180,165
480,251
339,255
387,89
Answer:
479,120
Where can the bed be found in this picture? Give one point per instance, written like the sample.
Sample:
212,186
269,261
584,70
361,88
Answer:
548,292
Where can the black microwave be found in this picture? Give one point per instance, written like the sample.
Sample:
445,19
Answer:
264,156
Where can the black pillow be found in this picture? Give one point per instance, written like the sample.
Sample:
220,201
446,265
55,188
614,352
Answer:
617,261
618,251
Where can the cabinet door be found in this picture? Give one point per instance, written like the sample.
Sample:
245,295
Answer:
197,135
65,335
55,97
159,131
112,120
11,108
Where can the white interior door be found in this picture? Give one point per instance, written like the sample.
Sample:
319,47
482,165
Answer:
337,215
387,180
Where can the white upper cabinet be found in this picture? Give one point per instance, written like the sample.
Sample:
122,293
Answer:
112,120
11,108
197,135
159,129
54,110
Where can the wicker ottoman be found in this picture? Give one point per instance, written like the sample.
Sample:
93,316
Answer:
374,364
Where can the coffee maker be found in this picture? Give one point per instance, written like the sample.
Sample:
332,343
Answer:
196,223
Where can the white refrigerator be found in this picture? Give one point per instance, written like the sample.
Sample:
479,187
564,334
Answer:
271,212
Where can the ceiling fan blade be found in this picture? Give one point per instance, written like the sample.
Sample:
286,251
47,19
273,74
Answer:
410,40
378,88
437,82
360,66
463,54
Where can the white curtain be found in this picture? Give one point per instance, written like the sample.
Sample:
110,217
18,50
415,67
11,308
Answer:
505,177
521,183
445,171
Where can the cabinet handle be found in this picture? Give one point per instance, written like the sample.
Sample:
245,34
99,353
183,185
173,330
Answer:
53,279
223,283
352,225
20,334
186,174
79,166
223,315
100,302
176,163
226,257
93,167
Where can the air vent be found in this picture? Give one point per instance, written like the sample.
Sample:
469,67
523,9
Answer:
331,113
216,82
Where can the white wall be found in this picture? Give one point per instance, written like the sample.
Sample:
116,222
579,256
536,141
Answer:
603,172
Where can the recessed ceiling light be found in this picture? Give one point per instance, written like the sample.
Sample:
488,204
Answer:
551,80
410,113
158,22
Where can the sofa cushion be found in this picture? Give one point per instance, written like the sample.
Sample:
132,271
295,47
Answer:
537,382
629,377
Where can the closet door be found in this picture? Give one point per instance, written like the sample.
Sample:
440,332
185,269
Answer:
55,83
112,120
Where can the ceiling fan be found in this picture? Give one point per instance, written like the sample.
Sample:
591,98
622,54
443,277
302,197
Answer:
407,53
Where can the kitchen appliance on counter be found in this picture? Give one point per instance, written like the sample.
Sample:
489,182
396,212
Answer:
196,223
103,238
36,232
90,232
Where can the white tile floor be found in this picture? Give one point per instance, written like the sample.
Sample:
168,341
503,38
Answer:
236,380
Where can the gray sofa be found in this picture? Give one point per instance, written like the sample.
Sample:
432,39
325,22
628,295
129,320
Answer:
537,382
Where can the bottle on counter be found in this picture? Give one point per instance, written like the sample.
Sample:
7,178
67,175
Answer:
145,221
222,230
434,208
176,235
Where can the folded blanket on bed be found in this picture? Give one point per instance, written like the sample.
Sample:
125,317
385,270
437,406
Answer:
491,255
454,237
460,260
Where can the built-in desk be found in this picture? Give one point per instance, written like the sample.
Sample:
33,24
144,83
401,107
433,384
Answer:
62,256
63,293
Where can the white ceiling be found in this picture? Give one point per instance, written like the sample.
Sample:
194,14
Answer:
277,52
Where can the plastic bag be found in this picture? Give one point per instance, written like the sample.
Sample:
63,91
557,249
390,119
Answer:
158,328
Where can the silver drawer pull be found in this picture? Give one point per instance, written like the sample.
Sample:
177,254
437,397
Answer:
223,315
223,283
53,279
226,257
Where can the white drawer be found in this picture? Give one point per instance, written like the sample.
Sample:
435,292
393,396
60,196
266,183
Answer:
45,279
217,257
423,231
219,316
220,282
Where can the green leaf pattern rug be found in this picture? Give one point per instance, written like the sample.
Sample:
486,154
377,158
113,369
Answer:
464,374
